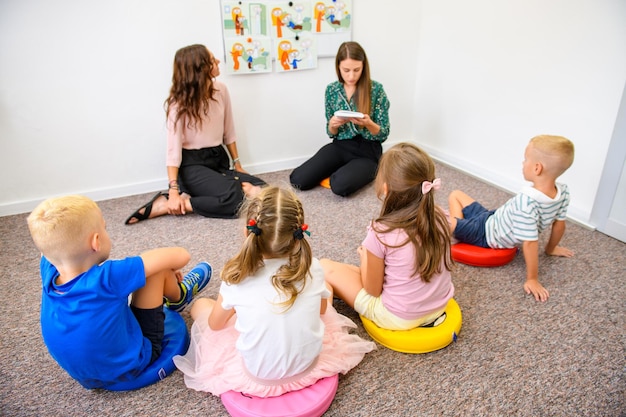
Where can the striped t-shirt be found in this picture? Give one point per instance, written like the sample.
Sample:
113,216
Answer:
524,216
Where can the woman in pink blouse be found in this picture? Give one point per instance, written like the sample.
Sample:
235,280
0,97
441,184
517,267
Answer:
200,131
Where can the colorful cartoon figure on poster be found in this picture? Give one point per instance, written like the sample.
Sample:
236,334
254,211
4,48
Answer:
236,52
306,53
320,11
249,58
293,58
238,20
277,20
291,24
299,10
339,13
337,16
284,48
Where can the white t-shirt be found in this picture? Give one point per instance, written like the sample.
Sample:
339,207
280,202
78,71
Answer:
524,216
274,343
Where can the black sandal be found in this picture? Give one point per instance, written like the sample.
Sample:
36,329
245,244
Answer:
147,209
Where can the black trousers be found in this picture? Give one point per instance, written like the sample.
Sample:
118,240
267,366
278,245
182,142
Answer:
350,163
215,189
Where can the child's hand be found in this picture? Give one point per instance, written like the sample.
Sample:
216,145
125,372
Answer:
179,275
532,286
561,251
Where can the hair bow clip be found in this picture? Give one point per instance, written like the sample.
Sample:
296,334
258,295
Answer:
427,185
300,231
253,227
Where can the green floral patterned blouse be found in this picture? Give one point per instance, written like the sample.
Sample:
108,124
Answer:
336,100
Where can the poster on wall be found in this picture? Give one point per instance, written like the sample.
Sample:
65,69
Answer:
290,34
296,53
248,55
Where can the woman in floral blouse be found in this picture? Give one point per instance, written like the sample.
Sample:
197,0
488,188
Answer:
351,159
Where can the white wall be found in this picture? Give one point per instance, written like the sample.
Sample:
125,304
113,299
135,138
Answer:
82,86
493,74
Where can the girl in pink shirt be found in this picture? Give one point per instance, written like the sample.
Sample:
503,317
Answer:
200,131
404,279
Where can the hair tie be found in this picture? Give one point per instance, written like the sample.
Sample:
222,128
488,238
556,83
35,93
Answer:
427,185
253,227
300,231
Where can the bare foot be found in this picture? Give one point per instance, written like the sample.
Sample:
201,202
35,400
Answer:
250,190
159,208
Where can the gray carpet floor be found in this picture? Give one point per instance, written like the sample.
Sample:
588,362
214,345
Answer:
514,356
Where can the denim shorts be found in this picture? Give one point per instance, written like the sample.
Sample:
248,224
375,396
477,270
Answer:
471,229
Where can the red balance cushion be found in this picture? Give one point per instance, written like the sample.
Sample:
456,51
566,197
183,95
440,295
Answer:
483,257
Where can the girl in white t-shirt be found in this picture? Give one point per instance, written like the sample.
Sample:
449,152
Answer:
272,329
404,279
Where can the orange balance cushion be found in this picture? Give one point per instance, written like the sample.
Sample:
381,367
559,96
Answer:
483,257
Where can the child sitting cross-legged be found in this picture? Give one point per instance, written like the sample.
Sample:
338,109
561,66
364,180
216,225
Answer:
403,280
87,323
272,329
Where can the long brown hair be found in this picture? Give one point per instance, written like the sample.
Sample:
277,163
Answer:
401,172
352,50
192,85
278,217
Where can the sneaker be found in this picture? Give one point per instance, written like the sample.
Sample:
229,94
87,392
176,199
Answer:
193,283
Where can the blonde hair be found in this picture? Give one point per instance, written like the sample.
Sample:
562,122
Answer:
279,217
61,227
556,153
403,169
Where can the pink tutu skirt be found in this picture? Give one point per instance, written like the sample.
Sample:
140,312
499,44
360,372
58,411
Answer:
213,364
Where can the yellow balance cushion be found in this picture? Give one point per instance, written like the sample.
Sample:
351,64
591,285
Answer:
419,339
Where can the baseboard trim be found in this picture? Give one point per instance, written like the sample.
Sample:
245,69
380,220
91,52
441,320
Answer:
478,172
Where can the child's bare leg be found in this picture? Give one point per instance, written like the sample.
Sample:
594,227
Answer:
344,279
457,201
201,306
159,285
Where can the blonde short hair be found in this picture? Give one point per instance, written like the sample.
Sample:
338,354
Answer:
61,226
555,152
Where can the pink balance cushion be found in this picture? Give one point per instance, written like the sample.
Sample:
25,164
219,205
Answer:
312,401
483,257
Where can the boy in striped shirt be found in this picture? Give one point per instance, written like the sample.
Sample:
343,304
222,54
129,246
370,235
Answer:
520,220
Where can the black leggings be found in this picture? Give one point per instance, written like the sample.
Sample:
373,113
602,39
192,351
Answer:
350,163
215,189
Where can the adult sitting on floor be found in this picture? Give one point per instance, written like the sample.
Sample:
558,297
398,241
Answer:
357,114
199,124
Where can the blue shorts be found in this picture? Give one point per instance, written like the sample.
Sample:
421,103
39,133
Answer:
471,229
152,323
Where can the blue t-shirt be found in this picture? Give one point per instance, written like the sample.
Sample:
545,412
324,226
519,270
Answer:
89,328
